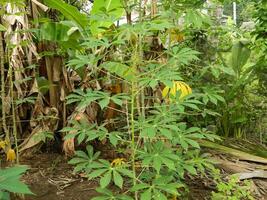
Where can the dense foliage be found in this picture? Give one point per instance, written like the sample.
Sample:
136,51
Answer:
148,91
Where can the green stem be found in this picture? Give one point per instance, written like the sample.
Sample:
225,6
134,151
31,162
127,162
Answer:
133,136
140,47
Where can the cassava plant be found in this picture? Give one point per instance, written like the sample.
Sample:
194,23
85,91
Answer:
159,145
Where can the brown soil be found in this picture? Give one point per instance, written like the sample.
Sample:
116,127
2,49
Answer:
51,178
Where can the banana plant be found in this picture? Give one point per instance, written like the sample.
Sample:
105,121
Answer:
234,117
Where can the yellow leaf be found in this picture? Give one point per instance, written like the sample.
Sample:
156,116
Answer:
176,35
118,162
2,144
11,155
177,86
165,91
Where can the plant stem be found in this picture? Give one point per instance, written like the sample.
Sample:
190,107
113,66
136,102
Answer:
142,93
13,103
3,86
133,136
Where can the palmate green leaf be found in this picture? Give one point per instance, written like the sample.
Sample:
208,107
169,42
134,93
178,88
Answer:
196,19
102,8
9,180
149,132
105,180
96,173
184,55
69,11
121,70
82,60
117,178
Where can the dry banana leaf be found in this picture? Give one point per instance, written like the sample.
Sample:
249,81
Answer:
240,154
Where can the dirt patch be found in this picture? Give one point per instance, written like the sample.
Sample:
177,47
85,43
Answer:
51,178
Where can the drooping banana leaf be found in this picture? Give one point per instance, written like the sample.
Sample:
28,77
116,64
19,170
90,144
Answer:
69,11
240,56
53,31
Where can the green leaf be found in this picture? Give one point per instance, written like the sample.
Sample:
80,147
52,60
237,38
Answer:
240,56
169,163
228,70
146,195
159,195
53,31
126,172
101,9
191,169
69,11
149,132
103,103
81,154
118,180
157,163
74,161
96,173
140,186
122,70
193,143
105,180
165,132
113,139
9,180
104,191
4,195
